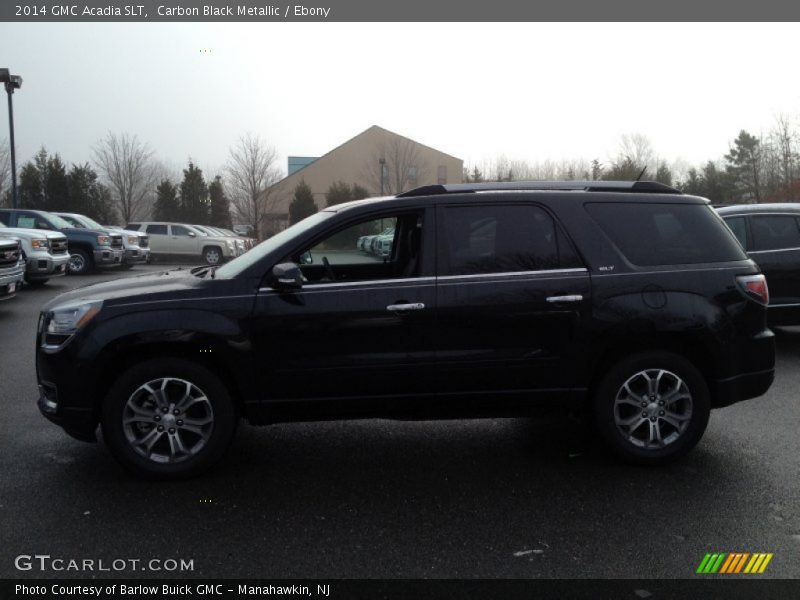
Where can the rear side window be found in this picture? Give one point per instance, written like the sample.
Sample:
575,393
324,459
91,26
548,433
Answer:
157,229
739,228
132,226
650,234
499,239
775,232
4,218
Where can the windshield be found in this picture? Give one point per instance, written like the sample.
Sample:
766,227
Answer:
91,223
237,265
58,222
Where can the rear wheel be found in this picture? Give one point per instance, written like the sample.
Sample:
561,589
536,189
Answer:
652,408
168,419
80,262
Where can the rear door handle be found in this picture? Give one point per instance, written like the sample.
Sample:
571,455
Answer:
406,307
559,299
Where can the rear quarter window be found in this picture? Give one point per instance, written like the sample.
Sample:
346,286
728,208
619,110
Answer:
775,232
652,234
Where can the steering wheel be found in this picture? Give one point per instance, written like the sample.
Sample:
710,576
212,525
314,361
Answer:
328,270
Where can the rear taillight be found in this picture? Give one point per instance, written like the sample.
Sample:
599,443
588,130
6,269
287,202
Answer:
755,287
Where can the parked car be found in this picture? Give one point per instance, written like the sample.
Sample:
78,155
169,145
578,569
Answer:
628,300
12,267
215,232
88,248
132,254
182,241
136,244
43,252
770,233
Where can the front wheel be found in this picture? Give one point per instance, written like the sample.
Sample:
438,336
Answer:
168,419
212,255
652,408
80,262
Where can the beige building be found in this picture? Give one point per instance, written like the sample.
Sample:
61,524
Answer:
379,160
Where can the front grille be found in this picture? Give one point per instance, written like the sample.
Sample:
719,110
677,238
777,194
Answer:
116,241
9,255
58,246
144,241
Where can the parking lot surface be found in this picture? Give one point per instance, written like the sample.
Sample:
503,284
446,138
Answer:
480,498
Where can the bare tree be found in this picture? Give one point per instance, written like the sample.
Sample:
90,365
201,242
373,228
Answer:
395,166
784,139
5,170
127,166
252,169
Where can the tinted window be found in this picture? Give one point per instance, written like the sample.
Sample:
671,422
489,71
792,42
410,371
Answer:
496,239
651,234
775,232
132,226
157,229
180,230
4,218
739,229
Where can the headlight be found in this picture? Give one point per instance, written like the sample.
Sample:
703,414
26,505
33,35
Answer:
40,244
230,245
133,240
69,319
103,240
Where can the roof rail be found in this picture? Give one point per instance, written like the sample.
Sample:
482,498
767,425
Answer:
647,187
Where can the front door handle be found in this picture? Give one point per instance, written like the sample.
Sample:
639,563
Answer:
406,306
559,299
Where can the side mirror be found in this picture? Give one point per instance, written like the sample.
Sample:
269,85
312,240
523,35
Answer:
192,234
287,277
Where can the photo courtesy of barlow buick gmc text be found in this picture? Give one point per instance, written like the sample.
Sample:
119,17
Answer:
399,300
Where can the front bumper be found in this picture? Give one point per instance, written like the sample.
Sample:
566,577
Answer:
10,280
136,255
46,265
108,257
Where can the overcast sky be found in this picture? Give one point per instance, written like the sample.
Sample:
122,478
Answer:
528,91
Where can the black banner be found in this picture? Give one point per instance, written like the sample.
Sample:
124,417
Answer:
581,589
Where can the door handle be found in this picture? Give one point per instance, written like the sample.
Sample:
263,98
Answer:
406,307
559,299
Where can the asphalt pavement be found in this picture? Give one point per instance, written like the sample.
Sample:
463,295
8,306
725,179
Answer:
496,498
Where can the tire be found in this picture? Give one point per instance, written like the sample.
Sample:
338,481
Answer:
36,282
212,255
80,262
131,418
679,422
126,266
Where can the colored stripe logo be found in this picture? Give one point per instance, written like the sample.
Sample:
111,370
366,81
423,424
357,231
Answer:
734,563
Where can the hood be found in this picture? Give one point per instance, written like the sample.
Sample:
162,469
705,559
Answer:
128,288
30,234
82,230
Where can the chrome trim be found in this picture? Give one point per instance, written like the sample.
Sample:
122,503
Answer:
792,305
406,307
775,250
511,274
570,298
315,286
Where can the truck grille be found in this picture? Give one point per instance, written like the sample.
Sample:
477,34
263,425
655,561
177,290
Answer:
144,241
58,246
9,255
116,241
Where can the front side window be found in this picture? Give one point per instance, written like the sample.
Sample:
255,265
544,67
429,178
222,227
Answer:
497,239
157,229
775,232
378,248
180,230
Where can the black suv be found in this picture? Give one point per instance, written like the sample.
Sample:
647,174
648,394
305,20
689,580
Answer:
628,299
770,233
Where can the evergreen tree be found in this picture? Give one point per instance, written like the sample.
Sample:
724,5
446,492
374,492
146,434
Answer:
56,186
220,205
302,204
166,207
743,165
30,188
477,176
88,196
194,206
664,174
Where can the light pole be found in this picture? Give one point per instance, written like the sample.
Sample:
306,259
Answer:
12,82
